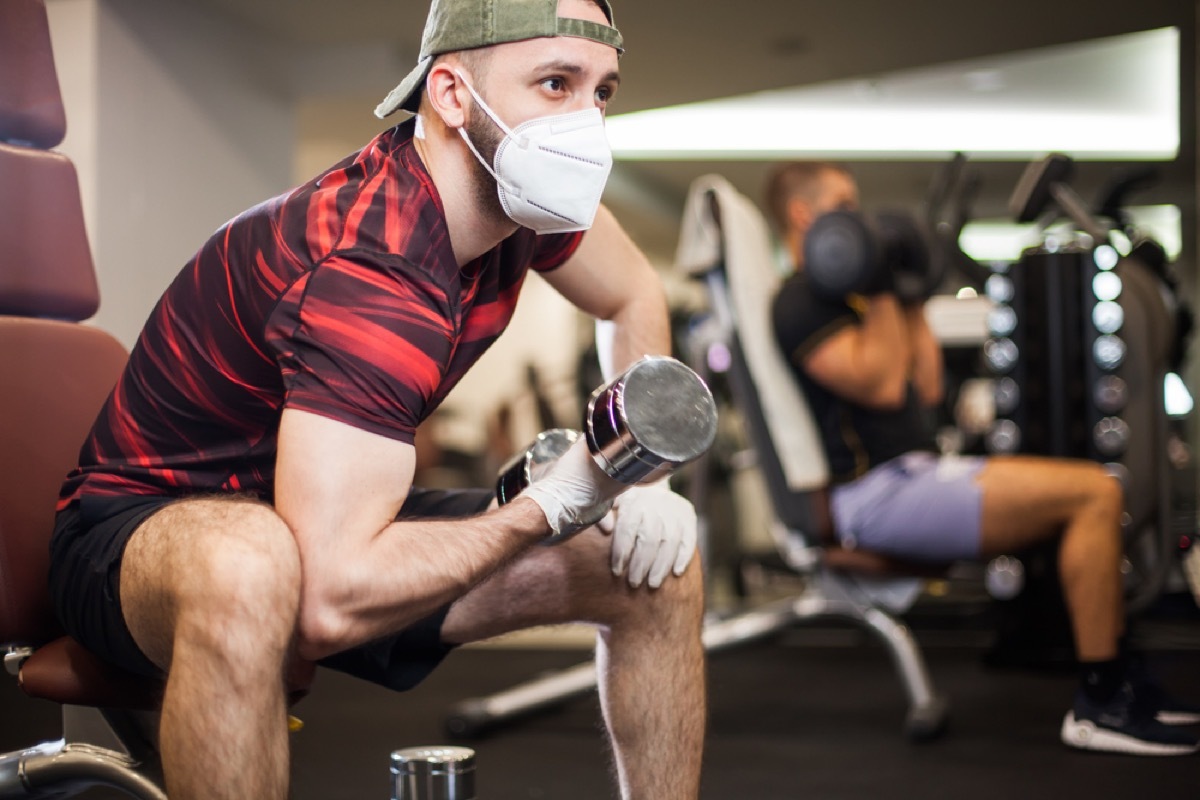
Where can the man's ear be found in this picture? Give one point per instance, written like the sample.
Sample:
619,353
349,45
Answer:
447,95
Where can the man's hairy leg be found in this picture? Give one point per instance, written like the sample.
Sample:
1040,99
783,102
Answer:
1029,500
653,693
649,656
210,591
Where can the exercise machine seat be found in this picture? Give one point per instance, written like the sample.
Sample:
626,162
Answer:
724,240
31,109
723,231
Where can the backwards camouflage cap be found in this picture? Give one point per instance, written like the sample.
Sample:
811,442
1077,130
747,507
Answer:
466,24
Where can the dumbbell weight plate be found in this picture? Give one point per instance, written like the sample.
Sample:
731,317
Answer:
657,416
916,275
840,254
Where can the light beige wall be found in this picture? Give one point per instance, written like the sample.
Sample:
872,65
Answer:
73,26
177,120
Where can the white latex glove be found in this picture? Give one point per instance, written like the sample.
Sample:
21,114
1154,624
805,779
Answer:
573,493
654,532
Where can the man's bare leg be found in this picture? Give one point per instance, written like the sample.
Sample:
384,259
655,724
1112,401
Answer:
210,590
1030,500
649,654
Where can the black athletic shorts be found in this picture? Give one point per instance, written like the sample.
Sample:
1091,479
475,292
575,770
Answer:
85,564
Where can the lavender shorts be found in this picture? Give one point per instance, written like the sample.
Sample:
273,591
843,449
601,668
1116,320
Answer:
918,506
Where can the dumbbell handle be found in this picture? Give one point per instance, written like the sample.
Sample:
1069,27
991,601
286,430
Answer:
532,463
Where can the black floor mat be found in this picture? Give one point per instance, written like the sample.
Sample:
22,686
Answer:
813,714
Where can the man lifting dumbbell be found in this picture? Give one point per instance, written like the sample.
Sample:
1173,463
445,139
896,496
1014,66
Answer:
243,506
852,324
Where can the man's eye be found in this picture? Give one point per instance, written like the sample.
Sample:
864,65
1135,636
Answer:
603,94
553,84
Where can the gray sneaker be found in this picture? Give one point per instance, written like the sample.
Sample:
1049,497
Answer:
1123,725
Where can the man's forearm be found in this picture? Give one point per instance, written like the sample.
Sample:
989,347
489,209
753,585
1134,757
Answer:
927,365
643,329
407,571
886,350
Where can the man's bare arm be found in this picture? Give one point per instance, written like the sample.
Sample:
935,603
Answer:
867,364
927,365
339,489
609,278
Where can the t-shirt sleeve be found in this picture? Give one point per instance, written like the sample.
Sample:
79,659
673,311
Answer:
802,321
551,251
363,343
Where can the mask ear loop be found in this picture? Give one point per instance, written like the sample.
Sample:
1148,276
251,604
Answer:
486,108
462,132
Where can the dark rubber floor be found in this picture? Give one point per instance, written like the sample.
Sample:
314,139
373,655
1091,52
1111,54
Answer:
814,713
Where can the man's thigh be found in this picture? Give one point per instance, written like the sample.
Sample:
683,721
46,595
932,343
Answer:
120,566
85,573
216,560
1028,499
571,582
918,506
92,543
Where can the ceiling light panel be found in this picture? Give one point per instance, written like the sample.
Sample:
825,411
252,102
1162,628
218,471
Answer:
1114,98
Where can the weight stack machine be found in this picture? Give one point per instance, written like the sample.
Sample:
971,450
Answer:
1080,344
1056,352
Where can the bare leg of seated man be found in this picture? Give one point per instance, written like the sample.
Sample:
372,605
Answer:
1028,500
939,509
210,591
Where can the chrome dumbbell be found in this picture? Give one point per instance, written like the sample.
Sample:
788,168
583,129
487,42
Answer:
643,425
433,773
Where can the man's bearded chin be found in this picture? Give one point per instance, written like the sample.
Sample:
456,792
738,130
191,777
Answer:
486,137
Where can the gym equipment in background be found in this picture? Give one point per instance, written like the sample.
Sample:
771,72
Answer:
947,209
56,374
1082,337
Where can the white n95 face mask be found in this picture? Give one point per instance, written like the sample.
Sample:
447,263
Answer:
550,172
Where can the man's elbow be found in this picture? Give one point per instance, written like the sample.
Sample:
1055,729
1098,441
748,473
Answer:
932,396
322,627
646,296
889,395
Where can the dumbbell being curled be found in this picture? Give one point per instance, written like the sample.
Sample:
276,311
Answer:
638,428
849,252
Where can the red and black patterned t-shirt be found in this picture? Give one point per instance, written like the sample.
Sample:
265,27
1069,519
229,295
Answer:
341,298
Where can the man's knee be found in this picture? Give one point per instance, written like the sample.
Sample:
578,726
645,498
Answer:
688,588
246,579
678,603
1106,491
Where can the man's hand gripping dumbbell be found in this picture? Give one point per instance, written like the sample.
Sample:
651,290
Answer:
639,428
